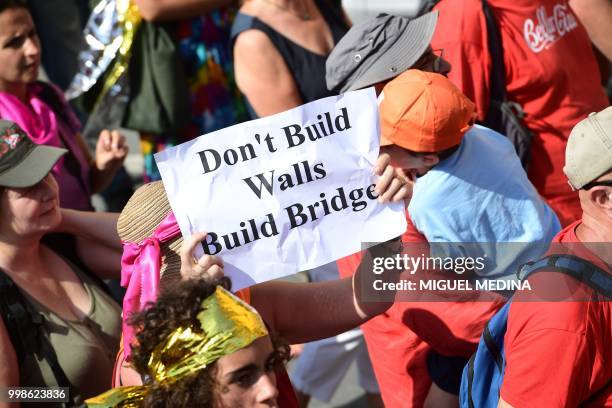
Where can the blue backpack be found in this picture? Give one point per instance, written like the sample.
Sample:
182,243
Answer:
484,374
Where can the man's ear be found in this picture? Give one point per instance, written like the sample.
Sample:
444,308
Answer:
431,160
601,197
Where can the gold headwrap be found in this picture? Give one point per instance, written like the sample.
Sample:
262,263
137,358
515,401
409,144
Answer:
227,324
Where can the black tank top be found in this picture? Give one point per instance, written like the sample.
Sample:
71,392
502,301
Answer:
307,67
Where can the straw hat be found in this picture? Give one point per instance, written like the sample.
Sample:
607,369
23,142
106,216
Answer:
145,210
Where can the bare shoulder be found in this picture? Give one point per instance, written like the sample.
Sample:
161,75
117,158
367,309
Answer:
257,61
262,74
254,44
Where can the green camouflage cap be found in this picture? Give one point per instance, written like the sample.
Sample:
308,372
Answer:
22,162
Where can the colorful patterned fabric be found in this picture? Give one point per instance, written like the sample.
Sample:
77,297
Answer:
9,140
215,100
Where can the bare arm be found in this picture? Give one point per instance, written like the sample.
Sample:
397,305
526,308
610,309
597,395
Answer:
596,16
171,10
302,312
262,75
326,308
98,244
503,404
111,151
9,369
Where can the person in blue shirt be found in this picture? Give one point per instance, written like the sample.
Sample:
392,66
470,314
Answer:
470,198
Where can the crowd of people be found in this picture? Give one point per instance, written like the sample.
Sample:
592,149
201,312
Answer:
495,128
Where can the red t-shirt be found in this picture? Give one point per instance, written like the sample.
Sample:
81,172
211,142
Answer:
559,354
399,340
551,72
398,355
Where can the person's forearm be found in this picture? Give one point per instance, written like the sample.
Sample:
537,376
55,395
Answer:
302,312
171,10
100,179
368,301
596,16
100,227
97,242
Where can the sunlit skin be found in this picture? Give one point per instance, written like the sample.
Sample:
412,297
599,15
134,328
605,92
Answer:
28,212
246,377
596,228
19,51
413,165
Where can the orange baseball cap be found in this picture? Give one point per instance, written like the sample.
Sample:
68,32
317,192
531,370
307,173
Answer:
424,112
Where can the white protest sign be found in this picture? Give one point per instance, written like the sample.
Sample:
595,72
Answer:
284,193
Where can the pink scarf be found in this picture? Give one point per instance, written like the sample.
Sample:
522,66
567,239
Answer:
140,266
35,117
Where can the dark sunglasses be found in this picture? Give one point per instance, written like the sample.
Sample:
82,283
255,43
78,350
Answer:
606,183
432,58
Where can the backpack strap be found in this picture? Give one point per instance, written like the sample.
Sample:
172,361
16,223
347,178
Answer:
497,94
20,328
28,335
498,70
576,267
504,116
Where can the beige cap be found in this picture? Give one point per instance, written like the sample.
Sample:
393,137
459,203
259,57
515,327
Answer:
588,154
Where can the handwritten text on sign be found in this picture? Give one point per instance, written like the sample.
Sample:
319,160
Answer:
284,193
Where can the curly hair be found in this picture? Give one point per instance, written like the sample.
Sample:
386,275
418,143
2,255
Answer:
178,306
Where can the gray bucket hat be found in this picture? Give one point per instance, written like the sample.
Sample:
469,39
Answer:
378,49
22,162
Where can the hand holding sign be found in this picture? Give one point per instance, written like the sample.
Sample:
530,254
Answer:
206,267
393,184
287,192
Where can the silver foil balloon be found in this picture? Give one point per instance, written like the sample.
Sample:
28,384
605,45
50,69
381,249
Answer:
103,36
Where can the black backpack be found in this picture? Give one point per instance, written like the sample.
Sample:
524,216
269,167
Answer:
503,116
